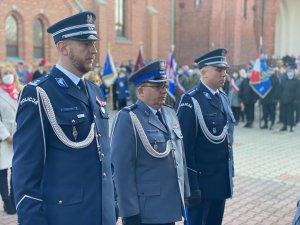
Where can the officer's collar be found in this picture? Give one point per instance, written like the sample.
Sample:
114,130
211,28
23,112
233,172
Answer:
72,76
212,91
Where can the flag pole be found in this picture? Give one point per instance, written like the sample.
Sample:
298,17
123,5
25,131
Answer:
259,105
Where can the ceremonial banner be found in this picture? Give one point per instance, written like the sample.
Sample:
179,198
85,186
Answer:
170,70
259,78
109,73
139,62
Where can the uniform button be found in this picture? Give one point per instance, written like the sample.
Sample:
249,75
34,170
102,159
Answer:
94,116
102,155
60,202
104,174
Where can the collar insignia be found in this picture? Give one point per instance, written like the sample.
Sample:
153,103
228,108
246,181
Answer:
61,82
207,96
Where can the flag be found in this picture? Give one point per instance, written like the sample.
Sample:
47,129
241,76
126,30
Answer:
170,70
139,62
109,73
259,77
233,86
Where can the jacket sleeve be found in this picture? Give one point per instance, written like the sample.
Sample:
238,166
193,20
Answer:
123,146
188,124
28,160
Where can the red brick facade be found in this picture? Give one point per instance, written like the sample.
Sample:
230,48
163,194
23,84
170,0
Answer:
233,24
147,22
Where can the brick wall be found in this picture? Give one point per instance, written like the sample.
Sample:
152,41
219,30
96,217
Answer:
143,26
222,23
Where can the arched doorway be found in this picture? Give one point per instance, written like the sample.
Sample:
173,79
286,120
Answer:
287,33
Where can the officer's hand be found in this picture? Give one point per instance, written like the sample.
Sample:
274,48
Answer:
132,220
195,198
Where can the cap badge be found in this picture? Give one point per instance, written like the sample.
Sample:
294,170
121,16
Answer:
90,18
162,65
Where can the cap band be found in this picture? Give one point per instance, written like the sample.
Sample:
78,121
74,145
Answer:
215,57
146,77
78,33
73,27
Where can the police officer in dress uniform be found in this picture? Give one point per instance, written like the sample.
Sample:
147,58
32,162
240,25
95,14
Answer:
147,154
207,125
62,163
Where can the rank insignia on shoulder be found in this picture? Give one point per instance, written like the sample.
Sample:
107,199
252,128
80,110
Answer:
61,82
130,107
207,95
38,81
193,91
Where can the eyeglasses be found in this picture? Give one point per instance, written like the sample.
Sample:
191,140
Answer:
158,87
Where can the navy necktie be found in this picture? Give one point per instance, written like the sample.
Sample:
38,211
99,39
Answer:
159,115
218,97
81,86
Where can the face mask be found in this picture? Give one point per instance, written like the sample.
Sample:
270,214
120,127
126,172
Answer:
8,79
290,75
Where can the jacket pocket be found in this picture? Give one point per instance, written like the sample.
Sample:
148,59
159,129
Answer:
63,196
152,189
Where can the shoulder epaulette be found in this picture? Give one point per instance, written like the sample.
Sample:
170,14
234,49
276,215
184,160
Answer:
169,106
39,81
130,107
222,92
192,92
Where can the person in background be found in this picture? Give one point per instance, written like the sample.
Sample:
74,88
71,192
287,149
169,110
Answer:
122,88
287,93
248,98
269,103
96,79
207,125
20,71
233,96
147,154
40,72
9,90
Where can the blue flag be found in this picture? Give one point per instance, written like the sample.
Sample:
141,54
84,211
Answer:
109,73
259,79
170,70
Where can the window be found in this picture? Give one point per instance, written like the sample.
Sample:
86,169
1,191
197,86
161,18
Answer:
197,3
11,36
38,39
120,10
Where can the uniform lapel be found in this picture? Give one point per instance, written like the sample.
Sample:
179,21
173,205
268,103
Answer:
73,90
210,97
152,119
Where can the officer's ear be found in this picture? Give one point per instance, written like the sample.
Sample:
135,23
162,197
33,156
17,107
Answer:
203,72
140,91
63,47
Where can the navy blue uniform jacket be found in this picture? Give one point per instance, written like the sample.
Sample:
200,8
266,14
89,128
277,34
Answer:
55,184
210,166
